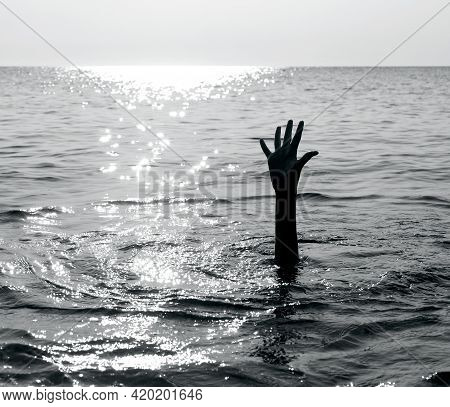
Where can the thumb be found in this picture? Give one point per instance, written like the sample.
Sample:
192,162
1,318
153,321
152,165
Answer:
302,162
264,147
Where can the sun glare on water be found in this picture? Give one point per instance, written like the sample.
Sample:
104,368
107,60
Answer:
176,77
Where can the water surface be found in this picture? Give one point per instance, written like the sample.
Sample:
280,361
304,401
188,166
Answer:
137,259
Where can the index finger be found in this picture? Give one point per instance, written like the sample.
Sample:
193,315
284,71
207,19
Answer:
298,135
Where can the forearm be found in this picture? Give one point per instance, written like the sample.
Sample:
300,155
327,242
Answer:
286,243
285,169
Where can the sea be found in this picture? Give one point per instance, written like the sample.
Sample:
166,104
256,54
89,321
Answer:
137,227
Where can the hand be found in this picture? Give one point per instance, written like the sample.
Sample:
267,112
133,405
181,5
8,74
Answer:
284,166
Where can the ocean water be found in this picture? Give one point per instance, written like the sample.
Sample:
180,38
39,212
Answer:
141,258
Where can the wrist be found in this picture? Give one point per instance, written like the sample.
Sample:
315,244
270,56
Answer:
285,207
286,194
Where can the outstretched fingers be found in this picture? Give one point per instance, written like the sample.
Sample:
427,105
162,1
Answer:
277,138
302,162
264,147
288,133
298,136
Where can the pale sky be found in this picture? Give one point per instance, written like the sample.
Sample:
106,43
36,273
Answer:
225,32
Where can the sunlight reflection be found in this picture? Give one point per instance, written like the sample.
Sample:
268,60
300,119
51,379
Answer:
175,77
111,168
173,90
139,361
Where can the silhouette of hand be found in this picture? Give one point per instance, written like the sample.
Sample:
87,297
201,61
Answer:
284,166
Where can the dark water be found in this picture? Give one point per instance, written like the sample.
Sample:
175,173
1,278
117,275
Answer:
121,264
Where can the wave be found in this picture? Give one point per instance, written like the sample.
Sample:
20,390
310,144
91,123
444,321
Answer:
141,245
191,200
126,307
426,280
308,196
313,196
129,377
213,304
21,364
324,197
17,215
168,200
11,334
356,335
431,199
